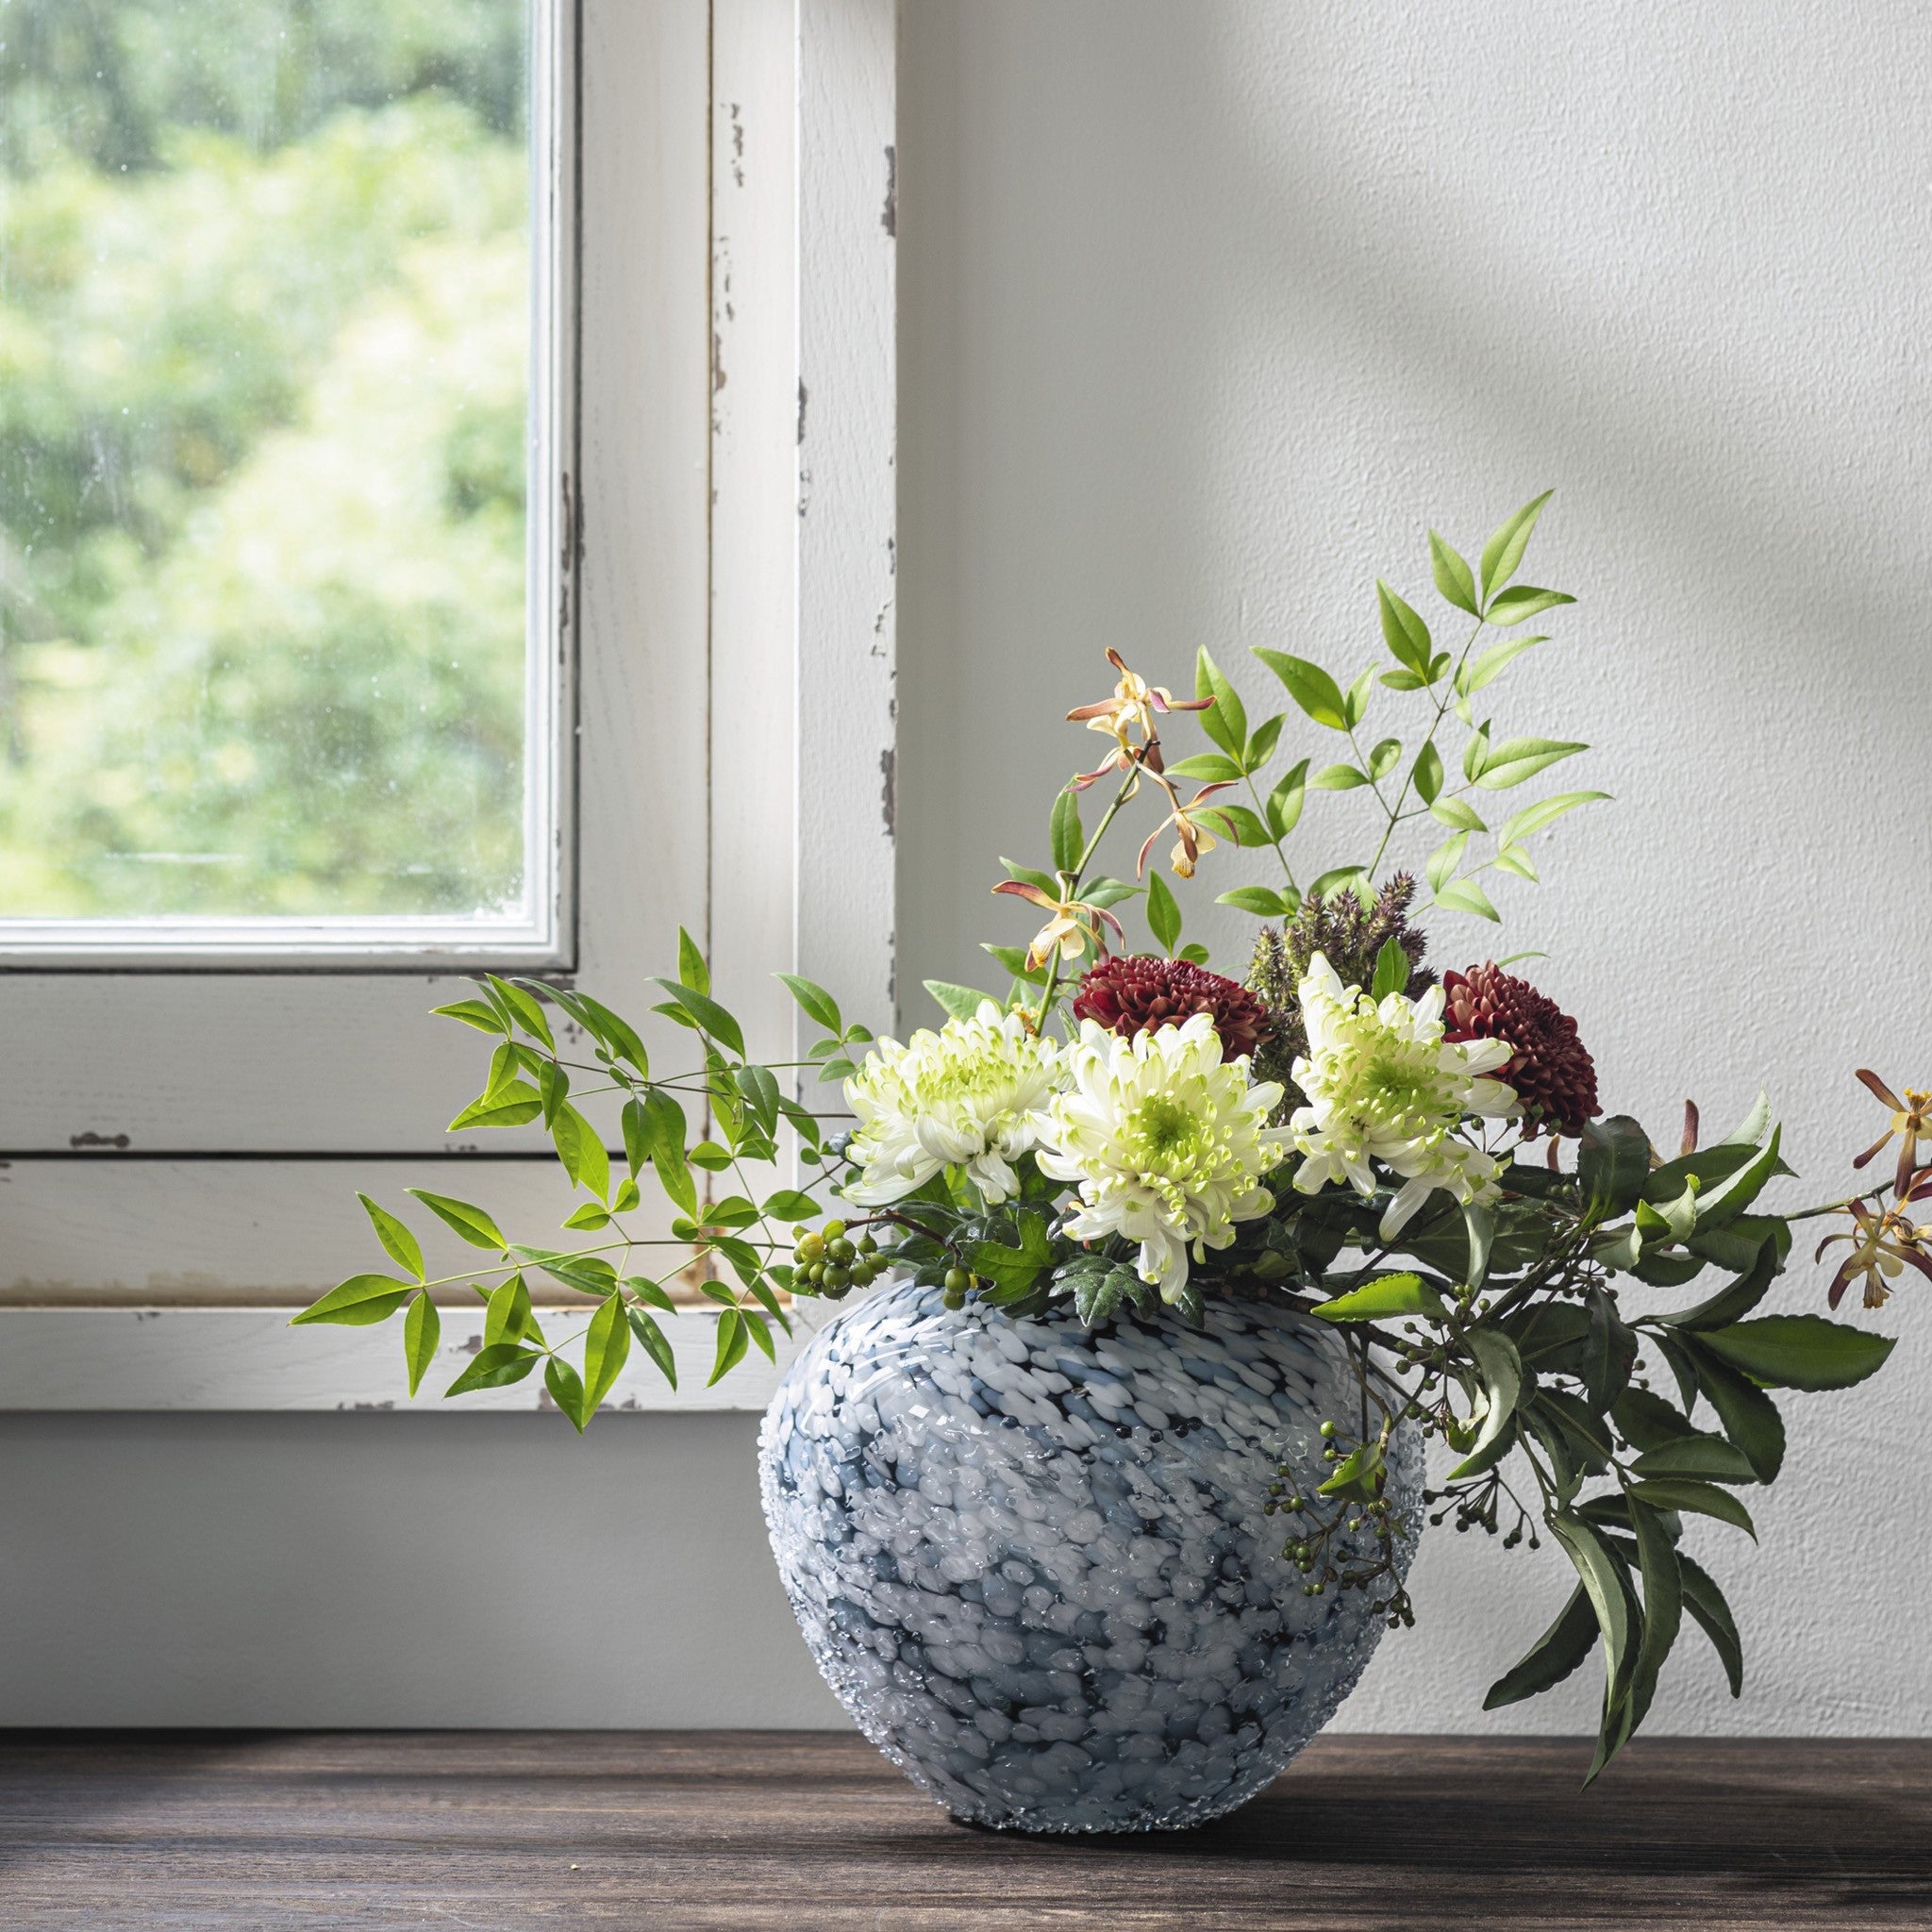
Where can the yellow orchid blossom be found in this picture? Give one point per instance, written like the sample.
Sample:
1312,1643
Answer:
1072,927
1911,1120
1883,1246
1194,838
1131,708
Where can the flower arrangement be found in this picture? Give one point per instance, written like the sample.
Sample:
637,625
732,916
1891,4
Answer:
1420,1163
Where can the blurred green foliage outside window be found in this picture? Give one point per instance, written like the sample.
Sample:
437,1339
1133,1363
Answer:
265,346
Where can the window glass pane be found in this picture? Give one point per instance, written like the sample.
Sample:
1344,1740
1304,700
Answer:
265,275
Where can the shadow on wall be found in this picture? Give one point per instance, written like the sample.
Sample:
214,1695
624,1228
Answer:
1205,310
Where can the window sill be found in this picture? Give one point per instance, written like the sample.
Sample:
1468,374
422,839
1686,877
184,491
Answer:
212,1359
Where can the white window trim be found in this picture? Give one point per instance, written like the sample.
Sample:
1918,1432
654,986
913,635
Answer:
785,638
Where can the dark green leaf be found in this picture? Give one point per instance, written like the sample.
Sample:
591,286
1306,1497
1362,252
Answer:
1737,1245
1731,1196
1663,1608
1706,1499
1610,1351
1612,1164
358,1303
1604,1584
1706,1604
1583,1428
1800,1351
1552,1657
1732,1304
1502,1373
1749,1416
1648,1422
1710,1458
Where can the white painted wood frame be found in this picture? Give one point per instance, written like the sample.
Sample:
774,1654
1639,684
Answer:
731,560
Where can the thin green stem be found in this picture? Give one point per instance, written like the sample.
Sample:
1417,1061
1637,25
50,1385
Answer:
1434,724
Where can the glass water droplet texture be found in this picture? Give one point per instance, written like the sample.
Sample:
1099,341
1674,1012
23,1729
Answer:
1033,1560
264,406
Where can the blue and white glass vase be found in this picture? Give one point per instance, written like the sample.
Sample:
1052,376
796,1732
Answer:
1034,1561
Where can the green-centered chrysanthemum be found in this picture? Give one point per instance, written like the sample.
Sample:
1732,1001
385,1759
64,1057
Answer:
964,1097
1166,1140
1382,1085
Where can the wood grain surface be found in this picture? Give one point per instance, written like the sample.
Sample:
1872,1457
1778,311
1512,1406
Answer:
786,1829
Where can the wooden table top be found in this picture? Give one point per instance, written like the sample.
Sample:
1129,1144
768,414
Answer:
750,1830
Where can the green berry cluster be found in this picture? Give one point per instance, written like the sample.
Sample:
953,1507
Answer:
829,1263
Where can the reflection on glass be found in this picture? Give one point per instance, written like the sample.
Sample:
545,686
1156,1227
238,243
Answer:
264,344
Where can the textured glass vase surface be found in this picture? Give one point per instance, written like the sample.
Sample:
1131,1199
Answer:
1033,1560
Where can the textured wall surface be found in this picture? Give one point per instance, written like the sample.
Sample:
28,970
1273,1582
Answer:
1210,311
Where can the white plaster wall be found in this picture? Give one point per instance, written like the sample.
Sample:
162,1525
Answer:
1212,309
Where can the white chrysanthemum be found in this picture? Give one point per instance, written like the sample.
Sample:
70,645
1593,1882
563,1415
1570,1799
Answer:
1165,1141
964,1096
1383,1085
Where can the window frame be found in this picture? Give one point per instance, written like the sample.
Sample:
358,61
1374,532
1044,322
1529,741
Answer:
729,565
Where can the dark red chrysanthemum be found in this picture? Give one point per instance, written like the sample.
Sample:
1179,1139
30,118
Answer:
1551,1072
1137,993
